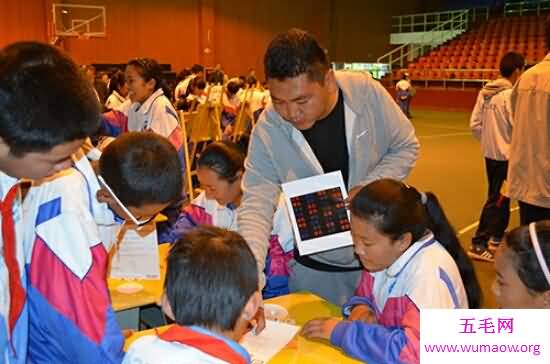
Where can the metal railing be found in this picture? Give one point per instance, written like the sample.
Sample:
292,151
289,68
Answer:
457,77
431,39
424,22
512,8
450,83
461,73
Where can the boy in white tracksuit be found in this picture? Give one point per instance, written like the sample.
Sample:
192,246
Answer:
491,122
38,133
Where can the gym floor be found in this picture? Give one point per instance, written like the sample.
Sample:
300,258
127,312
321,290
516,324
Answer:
451,165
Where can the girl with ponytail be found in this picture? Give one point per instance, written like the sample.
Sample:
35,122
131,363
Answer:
412,260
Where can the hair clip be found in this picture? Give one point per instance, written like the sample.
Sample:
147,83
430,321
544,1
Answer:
538,251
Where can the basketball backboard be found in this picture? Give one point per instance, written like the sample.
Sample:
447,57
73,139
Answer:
75,20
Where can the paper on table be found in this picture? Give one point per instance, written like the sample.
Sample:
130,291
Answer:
316,206
269,342
137,255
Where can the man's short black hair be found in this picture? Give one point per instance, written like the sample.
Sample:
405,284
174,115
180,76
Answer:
293,53
44,99
142,168
510,62
210,276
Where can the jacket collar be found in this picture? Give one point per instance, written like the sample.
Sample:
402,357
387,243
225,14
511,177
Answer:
119,96
144,108
397,267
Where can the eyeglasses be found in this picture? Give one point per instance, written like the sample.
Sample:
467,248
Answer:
124,208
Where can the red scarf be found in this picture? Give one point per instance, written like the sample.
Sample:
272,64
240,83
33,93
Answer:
205,343
17,293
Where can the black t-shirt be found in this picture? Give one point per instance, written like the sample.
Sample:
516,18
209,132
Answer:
327,138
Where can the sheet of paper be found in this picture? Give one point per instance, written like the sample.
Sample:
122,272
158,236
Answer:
271,340
108,235
318,214
136,255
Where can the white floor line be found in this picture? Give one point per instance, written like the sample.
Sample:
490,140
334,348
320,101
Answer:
476,224
442,135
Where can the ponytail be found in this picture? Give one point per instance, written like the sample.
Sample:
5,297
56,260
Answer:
446,235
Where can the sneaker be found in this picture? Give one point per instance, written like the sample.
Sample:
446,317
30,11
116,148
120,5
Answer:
481,253
493,245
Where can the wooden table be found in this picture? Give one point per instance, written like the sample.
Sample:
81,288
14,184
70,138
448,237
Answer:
301,307
127,306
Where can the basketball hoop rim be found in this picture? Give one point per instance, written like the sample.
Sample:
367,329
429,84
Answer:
83,36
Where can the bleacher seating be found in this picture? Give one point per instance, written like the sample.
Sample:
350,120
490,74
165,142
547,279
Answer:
475,55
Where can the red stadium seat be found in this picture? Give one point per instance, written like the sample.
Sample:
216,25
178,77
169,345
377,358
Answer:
482,48
435,74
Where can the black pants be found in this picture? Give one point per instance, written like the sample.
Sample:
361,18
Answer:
496,211
530,213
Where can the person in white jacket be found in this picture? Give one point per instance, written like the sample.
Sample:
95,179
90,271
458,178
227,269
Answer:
39,131
118,91
491,122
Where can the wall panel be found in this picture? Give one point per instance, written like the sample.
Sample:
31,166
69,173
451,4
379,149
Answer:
23,20
235,33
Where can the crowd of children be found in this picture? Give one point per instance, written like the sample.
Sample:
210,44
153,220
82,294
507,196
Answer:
57,234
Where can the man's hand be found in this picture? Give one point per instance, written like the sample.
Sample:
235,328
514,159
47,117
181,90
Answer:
320,328
362,313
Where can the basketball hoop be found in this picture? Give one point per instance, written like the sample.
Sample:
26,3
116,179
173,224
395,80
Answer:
79,21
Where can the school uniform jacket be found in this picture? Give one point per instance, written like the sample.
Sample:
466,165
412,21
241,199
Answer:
13,345
114,100
156,114
425,276
70,313
204,211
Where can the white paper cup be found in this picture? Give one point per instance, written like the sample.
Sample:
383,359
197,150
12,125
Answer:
129,288
275,312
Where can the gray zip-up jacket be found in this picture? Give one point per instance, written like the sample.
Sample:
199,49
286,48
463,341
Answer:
381,143
529,164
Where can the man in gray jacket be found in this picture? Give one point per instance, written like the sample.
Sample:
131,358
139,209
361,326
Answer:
529,164
319,121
